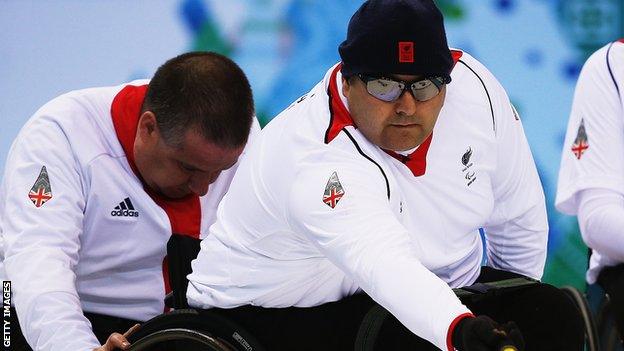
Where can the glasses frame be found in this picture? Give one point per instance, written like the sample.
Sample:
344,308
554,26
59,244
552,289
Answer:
438,81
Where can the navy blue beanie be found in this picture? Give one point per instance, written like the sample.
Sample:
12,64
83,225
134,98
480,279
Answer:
397,37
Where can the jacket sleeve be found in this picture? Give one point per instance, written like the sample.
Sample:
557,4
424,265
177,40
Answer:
220,187
42,242
601,219
362,236
600,109
517,230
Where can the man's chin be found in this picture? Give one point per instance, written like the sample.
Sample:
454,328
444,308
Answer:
178,196
173,194
404,143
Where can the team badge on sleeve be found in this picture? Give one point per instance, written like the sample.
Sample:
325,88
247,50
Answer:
581,144
333,191
41,192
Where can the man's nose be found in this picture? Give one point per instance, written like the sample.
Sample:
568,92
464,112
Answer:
406,103
199,184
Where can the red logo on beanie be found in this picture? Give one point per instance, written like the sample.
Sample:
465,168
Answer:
406,51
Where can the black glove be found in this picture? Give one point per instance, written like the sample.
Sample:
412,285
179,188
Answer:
483,334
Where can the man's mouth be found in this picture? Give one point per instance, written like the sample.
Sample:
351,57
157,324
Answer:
405,125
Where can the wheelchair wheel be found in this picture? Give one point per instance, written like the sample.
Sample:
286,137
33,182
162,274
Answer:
189,329
591,332
179,339
609,336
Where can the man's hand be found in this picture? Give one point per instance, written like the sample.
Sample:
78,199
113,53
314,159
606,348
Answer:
484,334
117,341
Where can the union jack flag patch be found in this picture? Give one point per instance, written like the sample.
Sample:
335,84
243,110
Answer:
333,191
41,191
581,143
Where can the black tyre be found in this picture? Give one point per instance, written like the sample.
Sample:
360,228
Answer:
179,339
609,336
189,329
591,331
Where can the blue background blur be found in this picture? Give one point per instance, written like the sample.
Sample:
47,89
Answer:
534,47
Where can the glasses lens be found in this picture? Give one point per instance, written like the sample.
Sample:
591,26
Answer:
384,89
424,90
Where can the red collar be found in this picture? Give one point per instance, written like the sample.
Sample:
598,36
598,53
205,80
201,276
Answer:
184,214
341,118
417,160
126,110
338,114
621,40
456,55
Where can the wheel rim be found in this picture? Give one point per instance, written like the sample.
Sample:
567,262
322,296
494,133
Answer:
208,342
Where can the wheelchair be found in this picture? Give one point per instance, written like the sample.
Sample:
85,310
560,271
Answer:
595,307
184,328
606,331
190,329
207,330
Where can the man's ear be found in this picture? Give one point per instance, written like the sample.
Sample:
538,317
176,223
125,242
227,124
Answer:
147,128
345,87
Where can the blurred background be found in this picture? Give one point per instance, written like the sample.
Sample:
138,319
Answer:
534,47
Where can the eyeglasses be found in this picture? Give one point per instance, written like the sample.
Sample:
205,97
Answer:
387,89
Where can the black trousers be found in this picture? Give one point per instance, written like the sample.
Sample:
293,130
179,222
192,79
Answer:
547,318
103,326
611,279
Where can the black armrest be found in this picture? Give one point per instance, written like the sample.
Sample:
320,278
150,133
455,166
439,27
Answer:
181,250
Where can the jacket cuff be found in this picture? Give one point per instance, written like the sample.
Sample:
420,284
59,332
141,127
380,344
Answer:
451,329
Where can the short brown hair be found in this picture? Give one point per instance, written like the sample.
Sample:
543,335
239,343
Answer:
203,90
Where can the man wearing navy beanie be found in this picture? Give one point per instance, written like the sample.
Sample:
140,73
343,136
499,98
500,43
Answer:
359,209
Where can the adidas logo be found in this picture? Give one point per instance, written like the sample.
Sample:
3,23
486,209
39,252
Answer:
125,209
